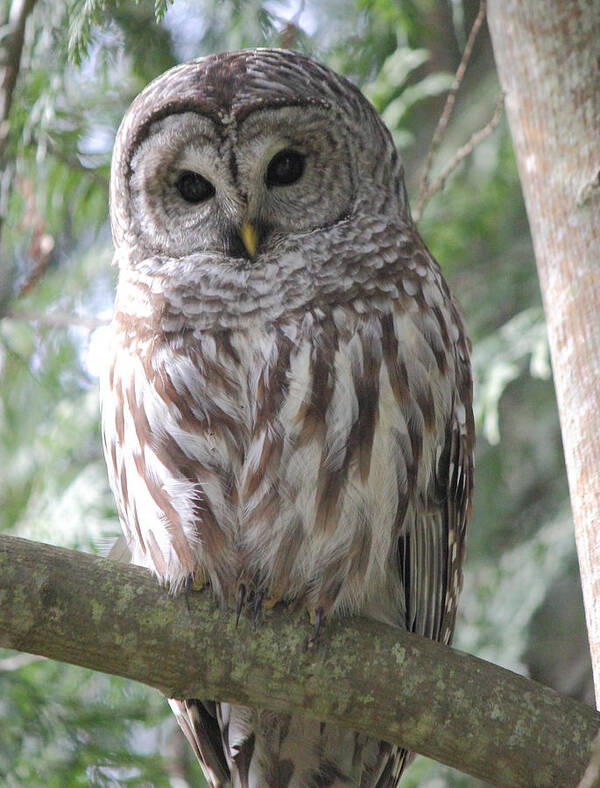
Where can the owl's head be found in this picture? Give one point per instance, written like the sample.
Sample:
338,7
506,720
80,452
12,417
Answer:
241,155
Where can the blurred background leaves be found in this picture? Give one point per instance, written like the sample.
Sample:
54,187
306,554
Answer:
82,63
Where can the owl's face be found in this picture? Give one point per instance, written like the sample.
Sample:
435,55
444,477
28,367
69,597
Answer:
196,182
240,156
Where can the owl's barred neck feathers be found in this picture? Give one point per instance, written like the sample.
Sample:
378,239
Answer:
288,410
209,293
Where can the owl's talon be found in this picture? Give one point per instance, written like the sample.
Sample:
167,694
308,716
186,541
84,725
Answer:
241,598
316,616
258,598
188,584
195,581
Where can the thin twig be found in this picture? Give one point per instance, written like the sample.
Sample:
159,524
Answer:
57,319
448,107
463,152
466,149
41,244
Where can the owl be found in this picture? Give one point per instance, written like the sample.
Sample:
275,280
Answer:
287,411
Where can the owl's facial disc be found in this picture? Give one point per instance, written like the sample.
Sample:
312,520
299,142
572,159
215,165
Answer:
240,190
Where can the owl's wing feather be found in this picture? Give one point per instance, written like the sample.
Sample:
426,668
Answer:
198,721
459,491
431,375
432,546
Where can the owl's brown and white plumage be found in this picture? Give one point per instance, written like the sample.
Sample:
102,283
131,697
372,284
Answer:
288,405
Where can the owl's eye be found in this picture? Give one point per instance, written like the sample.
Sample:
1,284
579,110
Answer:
285,168
193,187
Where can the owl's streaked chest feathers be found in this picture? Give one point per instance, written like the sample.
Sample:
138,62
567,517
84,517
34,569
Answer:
288,452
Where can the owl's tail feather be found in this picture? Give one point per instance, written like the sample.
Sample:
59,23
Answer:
240,747
198,720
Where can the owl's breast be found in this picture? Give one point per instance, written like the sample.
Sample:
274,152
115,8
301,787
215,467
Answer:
290,453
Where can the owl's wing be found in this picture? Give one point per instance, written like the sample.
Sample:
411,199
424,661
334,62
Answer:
426,352
431,547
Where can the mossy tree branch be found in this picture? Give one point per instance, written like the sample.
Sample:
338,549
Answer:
453,707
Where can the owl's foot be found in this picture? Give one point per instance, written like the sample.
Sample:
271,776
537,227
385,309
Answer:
195,581
200,580
316,617
270,600
259,599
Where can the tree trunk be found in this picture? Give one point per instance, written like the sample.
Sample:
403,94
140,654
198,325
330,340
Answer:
548,58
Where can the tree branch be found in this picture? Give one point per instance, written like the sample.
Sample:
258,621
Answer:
482,719
591,777
56,319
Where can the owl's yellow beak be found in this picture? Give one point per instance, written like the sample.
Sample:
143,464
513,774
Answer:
249,237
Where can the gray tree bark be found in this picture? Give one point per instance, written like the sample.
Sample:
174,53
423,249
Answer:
548,58
460,710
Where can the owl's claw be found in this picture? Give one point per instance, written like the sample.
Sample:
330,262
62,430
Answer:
195,581
188,584
241,598
316,616
258,598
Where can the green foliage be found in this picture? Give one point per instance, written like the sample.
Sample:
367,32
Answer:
83,62
71,735
86,16
393,98
499,359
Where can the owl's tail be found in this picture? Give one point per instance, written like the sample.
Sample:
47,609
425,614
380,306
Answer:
240,747
198,720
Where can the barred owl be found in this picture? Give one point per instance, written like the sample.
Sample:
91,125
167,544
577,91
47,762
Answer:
287,414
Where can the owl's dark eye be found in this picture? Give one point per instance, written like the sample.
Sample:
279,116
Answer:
285,168
193,187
